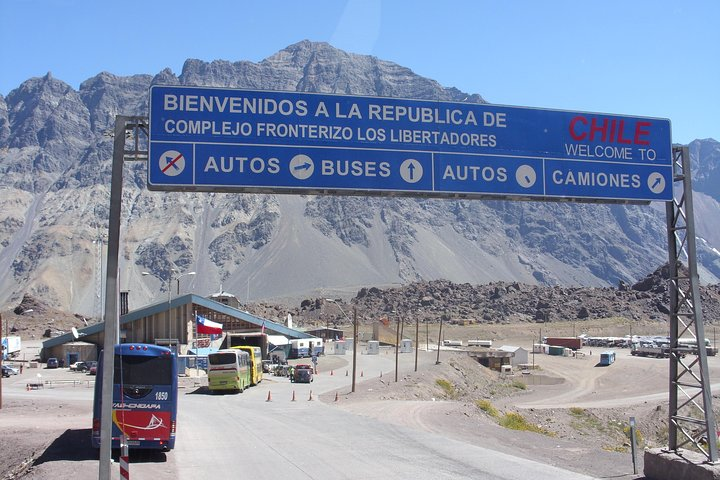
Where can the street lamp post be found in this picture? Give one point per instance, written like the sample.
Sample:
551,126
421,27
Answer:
355,334
179,277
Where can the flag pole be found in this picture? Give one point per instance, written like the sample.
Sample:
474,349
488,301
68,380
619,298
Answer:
197,368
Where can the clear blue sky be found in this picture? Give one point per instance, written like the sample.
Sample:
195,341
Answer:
656,58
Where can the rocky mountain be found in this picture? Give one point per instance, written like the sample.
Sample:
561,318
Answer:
55,159
645,302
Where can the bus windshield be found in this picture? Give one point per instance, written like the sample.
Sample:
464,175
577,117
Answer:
228,358
141,370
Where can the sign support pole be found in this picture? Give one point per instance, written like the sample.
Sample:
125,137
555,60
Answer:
689,379
132,126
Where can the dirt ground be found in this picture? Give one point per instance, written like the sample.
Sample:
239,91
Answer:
580,410
580,435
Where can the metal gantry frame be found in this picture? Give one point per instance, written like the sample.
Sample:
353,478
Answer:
691,417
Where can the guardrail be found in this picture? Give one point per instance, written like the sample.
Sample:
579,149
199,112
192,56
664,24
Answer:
74,383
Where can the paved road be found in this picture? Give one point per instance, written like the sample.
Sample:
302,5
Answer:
244,435
230,435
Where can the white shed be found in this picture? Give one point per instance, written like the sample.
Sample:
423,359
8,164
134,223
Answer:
519,355
335,347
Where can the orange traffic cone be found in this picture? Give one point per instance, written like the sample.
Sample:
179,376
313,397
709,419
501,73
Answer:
269,398
293,398
332,373
310,399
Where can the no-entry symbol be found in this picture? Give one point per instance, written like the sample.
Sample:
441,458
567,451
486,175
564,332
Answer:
172,163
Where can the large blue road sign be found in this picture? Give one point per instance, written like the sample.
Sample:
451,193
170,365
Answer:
207,139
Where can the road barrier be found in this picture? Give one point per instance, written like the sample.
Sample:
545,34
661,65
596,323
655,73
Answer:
74,383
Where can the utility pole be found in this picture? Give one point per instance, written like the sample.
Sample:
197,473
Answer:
397,345
533,352
417,338
437,361
355,345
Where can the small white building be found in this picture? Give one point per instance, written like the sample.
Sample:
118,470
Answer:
519,355
335,347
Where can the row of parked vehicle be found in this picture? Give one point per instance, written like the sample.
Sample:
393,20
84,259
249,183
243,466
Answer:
90,367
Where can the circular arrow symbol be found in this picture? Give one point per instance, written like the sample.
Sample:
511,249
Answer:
411,170
302,167
656,183
525,176
172,163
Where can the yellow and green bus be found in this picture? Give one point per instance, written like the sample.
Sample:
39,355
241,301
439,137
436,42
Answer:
229,370
255,362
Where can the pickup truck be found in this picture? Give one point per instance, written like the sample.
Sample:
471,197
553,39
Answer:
79,366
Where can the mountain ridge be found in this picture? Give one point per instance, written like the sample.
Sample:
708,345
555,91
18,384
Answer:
55,157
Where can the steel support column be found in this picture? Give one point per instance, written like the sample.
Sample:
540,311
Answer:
129,144
691,418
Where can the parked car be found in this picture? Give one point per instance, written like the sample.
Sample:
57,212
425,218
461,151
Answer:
79,367
7,370
53,362
302,374
92,368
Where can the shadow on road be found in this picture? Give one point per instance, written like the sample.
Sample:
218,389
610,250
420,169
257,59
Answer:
204,390
144,456
72,445
75,446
